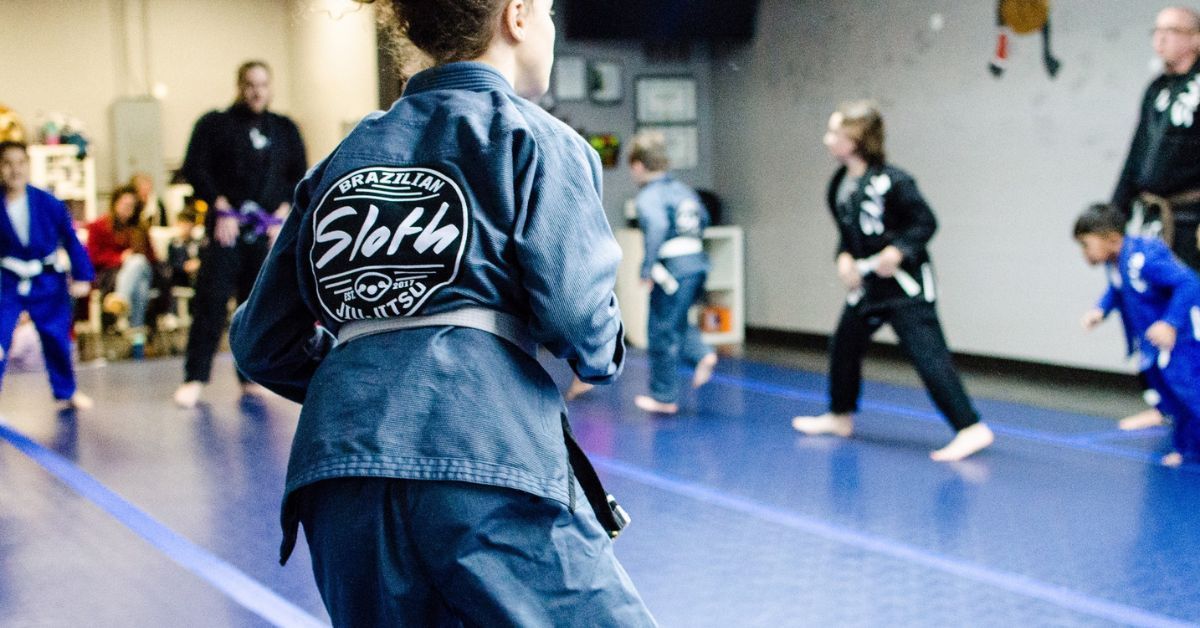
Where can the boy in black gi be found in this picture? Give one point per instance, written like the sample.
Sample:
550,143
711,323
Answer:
884,225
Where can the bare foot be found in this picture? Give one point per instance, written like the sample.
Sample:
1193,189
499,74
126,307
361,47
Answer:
577,387
188,394
650,404
1173,459
836,424
704,370
78,401
969,440
1149,417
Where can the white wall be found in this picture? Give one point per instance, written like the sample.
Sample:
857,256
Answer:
79,57
1006,163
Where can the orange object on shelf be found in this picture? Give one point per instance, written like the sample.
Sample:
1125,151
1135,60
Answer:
716,318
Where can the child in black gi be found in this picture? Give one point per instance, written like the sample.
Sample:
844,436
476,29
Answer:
884,225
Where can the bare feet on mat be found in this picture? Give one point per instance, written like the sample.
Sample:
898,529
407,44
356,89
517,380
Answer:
188,394
577,387
835,424
704,370
650,404
1149,417
1173,459
968,441
78,401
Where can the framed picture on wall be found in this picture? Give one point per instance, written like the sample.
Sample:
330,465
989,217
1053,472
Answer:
665,99
570,79
604,82
683,143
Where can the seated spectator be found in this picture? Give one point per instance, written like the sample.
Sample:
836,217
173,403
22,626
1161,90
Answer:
149,206
119,246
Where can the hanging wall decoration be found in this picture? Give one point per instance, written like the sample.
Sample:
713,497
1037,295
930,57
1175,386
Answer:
1021,17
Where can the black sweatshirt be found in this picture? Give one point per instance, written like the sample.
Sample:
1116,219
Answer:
244,156
1164,158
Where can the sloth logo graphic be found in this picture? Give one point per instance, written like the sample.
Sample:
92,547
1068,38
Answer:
385,239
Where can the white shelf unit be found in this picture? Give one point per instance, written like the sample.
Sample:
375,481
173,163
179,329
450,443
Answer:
725,285
58,169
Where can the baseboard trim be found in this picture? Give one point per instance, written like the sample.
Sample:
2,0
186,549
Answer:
968,362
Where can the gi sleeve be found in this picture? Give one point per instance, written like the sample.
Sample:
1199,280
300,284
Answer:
652,218
843,245
272,331
1108,301
568,259
1163,271
297,162
81,266
198,161
916,223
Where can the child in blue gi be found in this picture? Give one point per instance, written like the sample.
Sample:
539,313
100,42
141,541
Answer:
1159,301
442,242
674,267
884,225
33,225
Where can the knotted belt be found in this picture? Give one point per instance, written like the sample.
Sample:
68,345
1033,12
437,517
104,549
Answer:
27,269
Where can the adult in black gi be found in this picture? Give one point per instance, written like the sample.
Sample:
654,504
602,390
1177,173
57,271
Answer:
244,163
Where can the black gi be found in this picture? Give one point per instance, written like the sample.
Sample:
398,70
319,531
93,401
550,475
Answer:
885,208
247,158
1164,158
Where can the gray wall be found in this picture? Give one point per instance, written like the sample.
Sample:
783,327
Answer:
620,118
1006,163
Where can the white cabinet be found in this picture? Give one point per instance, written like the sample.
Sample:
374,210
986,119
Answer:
58,169
724,286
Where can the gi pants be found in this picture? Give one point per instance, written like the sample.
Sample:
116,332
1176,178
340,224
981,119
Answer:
1178,387
920,333
672,340
49,306
391,552
225,271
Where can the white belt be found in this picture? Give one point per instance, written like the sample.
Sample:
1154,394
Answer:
678,247
27,269
499,324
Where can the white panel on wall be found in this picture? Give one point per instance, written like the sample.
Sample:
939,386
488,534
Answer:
137,139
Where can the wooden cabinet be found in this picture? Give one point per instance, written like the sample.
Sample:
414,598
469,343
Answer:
724,286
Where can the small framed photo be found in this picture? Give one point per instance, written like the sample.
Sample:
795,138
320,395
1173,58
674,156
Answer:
683,143
570,79
604,82
665,99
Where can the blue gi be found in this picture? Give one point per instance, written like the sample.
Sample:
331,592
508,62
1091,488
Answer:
429,467
672,219
1148,284
31,280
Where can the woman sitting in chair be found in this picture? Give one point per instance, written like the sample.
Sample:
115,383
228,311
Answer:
119,246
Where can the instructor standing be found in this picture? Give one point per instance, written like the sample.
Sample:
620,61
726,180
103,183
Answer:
1159,188
244,162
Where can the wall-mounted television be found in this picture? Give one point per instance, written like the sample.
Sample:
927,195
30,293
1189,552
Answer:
660,20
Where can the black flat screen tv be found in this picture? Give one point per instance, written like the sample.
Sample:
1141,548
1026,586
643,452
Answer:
660,20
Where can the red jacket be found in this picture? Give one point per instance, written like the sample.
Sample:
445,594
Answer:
105,245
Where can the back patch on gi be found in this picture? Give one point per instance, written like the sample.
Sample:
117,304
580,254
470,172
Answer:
385,239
